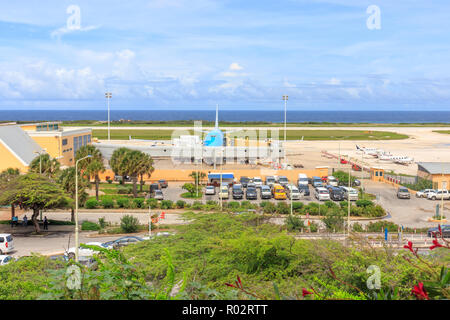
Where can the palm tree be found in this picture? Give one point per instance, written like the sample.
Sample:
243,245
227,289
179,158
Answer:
92,166
116,161
132,166
146,168
44,164
5,177
67,181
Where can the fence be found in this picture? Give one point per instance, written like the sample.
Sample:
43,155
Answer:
398,179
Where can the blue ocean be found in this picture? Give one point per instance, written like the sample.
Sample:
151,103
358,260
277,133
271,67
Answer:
231,115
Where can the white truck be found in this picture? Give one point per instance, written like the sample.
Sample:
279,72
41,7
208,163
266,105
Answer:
302,179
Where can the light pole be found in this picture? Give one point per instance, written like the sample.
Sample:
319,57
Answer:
442,194
108,95
285,98
40,153
220,187
76,206
348,198
362,174
149,221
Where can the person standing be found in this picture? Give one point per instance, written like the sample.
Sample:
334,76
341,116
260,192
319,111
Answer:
45,223
25,221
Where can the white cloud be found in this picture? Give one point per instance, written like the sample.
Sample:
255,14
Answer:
58,33
235,66
334,82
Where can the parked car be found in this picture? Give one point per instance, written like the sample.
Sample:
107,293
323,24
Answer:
356,183
163,183
302,179
336,193
270,181
251,185
266,193
445,231
223,193
317,182
153,187
6,243
424,193
85,252
258,182
294,193
210,190
332,181
244,180
321,194
304,189
350,193
158,195
251,193
284,181
278,192
237,191
121,242
403,193
439,194
4,259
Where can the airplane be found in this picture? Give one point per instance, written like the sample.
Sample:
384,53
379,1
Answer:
369,151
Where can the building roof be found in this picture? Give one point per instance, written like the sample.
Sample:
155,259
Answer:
435,167
19,143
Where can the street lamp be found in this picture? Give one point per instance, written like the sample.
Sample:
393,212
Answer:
76,205
108,95
40,153
348,197
285,98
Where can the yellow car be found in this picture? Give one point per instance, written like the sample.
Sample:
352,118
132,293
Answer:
279,192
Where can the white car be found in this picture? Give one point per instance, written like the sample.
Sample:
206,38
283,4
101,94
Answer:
424,193
85,252
223,193
6,243
258,182
294,193
5,259
210,190
302,179
350,193
439,194
332,181
321,194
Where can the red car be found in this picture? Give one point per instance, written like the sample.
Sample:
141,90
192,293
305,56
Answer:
343,161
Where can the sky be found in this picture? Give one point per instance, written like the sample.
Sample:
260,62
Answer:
194,54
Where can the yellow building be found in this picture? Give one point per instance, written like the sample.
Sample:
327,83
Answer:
17,149
437,172
58,143
20,144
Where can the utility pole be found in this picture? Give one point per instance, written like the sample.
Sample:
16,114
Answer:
149,221
285,98
108,95
348,199
76,208
442,192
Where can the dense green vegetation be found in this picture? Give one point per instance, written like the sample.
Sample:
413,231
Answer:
215,249
443,131
420,185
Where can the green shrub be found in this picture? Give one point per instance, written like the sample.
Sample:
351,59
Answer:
197,205
334,221
269,207
313,227
124,190
312,208
129,224
107,203
102,223
297,206
364,203
233,205
180,204
89,226
123,202
357,227
91,204
294,223
379,226
166,204
109,181
330,204
283,208
139,203
153,203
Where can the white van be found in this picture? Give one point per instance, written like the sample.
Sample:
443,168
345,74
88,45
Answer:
302,179
6,243
350,193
